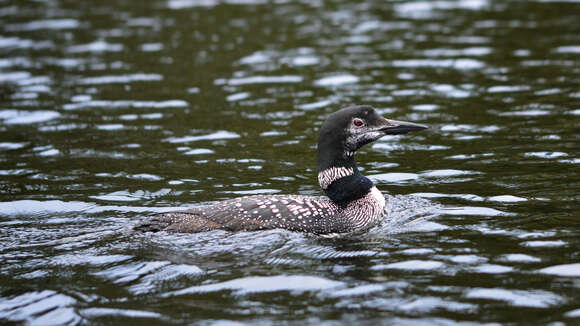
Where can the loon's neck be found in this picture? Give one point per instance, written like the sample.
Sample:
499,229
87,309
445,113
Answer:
338,174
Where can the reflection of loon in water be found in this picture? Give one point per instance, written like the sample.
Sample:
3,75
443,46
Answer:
354,203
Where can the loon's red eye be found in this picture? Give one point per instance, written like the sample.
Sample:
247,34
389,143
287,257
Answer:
358,122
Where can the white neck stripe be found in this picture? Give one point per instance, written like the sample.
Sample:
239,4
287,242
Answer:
328,176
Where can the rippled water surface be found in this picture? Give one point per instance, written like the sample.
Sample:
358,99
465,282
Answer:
112,110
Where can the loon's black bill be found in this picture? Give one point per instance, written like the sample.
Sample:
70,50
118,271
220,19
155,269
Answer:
401,127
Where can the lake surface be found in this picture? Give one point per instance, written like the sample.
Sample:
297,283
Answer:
113,110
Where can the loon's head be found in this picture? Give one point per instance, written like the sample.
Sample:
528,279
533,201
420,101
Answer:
348,129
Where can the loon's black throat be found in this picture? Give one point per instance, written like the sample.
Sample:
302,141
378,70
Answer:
346,189
353,202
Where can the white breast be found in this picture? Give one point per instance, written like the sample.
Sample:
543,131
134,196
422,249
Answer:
368,210
378,196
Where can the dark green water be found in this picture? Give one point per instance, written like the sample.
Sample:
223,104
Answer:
111,110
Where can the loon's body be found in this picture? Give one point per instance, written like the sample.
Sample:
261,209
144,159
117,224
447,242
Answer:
353,202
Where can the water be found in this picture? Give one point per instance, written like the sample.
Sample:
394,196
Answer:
112,110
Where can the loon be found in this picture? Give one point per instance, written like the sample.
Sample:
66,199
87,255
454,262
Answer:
353,204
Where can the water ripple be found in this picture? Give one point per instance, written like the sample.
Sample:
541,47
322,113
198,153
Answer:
221,134
48,24
531,298
107,312
459,64
337,80
20,117
411,265
264,284
570,270
40,308
259,80
126,104
123,79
